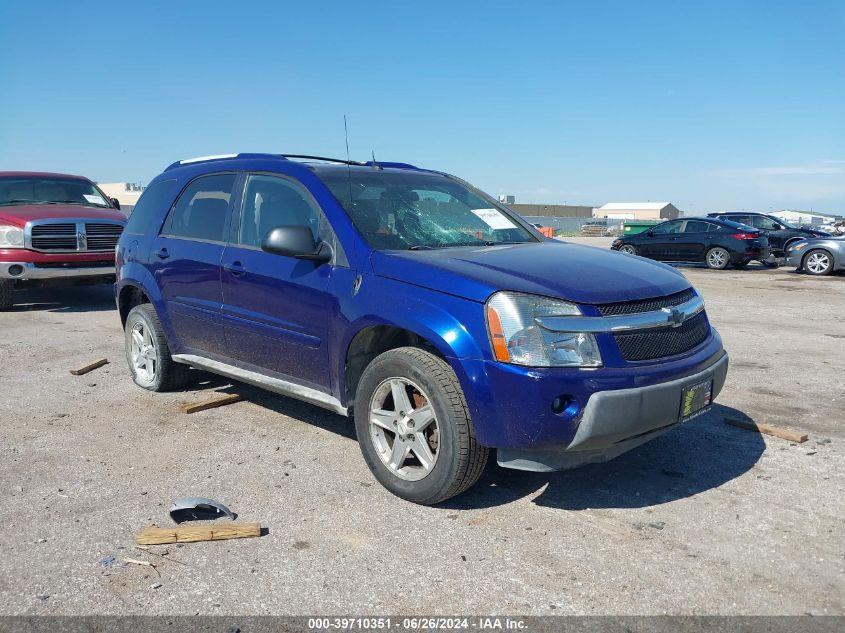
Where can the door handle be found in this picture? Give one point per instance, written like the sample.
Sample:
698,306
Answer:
236,268
163,254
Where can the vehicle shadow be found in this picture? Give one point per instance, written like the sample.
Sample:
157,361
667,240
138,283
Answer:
94,298
696,456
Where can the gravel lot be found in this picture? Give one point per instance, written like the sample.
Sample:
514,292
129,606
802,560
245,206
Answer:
706,519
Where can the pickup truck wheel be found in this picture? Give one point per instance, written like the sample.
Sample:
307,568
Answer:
7,289
414,428
148,354
818,262
717,258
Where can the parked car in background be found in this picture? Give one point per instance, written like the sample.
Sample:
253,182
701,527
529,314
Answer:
444,321
779,232
54,228
712,241
817,256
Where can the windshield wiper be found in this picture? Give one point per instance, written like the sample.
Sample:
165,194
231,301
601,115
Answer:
21,201
422,247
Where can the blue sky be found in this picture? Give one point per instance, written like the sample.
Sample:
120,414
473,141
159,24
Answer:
710,105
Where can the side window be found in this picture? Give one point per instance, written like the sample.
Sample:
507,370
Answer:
270,201
762,222
202,211
696,226
151,202
668,227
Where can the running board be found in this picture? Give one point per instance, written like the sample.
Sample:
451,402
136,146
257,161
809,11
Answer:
276,385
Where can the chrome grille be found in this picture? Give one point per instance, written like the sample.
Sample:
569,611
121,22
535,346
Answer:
54,237
102,237
664,342
646,305
73,236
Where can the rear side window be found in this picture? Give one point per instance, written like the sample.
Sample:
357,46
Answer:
696,226
202,211
151,202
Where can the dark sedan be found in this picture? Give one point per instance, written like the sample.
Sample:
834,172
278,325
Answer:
715,242
779,232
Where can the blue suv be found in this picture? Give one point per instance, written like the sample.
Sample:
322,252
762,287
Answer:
445,324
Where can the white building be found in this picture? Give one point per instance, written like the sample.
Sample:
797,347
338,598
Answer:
805,217
127,193
637,211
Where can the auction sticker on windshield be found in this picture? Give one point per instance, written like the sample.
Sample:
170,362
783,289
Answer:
494,218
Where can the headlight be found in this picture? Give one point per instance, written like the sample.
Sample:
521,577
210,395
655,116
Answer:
516,338
11,236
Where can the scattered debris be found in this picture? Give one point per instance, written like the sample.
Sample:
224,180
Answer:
155,585
91,367
211,404
193,534
108,561
198,509
657,525
768,429
135,561
42,596
163,555
810,453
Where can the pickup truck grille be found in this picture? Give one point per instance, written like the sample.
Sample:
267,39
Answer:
653,344
103,237
76,236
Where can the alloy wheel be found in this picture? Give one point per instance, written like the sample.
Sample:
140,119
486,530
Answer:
717,258
404,429
142,351
817,263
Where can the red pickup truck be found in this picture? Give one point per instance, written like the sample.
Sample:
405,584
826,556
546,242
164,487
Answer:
55,228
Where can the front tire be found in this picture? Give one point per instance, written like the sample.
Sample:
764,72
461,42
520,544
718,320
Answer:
414,427
717,258
147,353
7,289
629,249
818,262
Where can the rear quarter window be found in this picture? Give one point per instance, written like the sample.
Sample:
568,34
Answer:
152,202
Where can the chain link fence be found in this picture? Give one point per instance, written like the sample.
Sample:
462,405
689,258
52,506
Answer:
578,226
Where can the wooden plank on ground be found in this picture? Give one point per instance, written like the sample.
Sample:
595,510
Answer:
91,367
768,429
210,404
195,533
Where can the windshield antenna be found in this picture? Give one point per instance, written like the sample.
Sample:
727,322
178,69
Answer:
349,180
376,166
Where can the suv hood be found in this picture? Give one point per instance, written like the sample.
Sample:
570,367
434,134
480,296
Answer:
581,274
20,214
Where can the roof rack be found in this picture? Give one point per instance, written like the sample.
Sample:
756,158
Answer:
213,157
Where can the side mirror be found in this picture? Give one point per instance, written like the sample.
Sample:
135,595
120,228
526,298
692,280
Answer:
650,233
296,241
116,203
778,227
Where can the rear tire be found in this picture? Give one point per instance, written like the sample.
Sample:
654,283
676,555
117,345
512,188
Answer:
414,427
818,263
147,353
7,289
717,258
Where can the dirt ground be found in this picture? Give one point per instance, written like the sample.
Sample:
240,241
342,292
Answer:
706,519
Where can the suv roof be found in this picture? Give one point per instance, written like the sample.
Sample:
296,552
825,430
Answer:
287,157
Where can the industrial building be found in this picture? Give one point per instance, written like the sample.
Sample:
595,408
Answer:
126,193
637,211
812,218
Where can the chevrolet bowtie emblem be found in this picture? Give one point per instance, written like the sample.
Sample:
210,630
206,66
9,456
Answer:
674,316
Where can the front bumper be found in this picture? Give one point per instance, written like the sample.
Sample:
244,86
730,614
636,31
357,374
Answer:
30,271
614,422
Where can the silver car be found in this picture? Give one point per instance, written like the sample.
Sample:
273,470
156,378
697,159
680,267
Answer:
818,255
